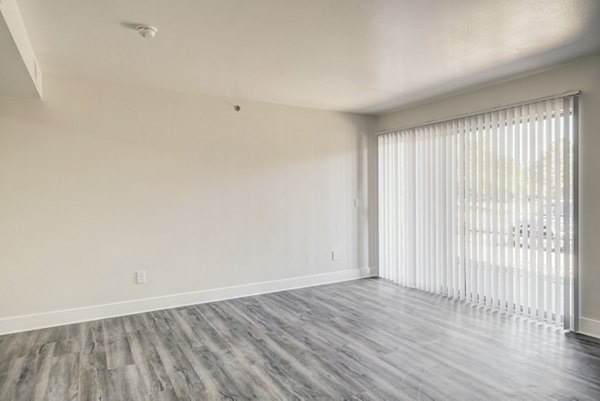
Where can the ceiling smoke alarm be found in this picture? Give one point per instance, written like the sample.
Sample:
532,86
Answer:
147,31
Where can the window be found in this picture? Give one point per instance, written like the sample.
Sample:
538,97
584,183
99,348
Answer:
482,208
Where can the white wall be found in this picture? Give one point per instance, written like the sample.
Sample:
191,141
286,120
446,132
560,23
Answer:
101,180
583,75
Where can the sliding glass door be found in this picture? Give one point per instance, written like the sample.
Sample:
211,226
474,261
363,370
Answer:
482,208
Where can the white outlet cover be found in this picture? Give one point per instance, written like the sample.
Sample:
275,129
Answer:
140,277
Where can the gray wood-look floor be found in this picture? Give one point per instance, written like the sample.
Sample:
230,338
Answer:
359,340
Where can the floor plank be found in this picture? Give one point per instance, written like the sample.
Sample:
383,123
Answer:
358,340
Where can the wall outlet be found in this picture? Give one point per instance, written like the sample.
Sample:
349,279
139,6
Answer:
334,256
140,277
356,203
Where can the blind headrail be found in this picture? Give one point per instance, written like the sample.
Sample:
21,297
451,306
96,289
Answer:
498,108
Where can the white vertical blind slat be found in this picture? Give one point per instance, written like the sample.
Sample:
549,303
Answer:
437,212
389,232
402,226
442,230
490,295
468,221
493,207
514,209
480,213
453,211
500,215
460,222
550,236
510,213
539,219
382,202
426,194
472,198
529,222
421,204
557,223
519,238
567,213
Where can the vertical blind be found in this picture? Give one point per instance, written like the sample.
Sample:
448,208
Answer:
481,208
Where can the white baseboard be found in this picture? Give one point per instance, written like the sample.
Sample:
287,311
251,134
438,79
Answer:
84,314
589,327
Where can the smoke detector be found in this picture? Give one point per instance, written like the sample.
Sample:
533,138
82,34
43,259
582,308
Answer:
147,31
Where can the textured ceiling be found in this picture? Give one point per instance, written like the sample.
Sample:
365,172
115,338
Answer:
350,55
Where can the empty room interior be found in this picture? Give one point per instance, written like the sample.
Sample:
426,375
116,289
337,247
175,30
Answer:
299,200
